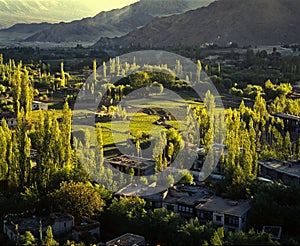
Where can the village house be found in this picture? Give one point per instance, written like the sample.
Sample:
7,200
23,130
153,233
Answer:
84,226
198,169
63,224
285,171
60,223
291,124
37,105
141,166
127,239
10,118
151,193
183,199
232,215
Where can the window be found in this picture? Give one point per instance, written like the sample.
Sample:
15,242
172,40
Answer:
170,207
65,224
218,218
231,220
185,209
205,215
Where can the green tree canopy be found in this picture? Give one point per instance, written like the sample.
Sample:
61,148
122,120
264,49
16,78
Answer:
78,199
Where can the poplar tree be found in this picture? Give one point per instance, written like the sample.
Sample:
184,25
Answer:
99,148
7,153
23,150
49,239
16,90
62,75
66,130
104,70
95,71
3,153
27,94
199,69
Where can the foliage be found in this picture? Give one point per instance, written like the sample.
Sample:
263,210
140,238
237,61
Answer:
276,204
49,239
195,233
78,198
27,239
129,207
187,177
250,238
217,237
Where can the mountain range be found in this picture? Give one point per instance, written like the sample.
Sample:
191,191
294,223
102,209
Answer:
246,22
158,23
116,22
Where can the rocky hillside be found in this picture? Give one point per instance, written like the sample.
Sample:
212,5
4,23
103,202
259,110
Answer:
244,22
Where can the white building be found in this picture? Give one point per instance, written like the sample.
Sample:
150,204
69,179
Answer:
36,105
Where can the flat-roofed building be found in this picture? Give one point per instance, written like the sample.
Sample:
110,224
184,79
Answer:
84,226
232,215
285,171
127,239
141,166
60,223
291,124
183,199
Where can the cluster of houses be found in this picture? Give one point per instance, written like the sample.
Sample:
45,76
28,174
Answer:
191,201
64,226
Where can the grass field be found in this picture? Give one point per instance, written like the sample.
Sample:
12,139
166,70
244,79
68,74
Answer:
118,131
35,114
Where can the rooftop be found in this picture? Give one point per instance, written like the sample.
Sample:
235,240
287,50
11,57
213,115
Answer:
188,194
7,115
127,239
33,224
38,102
131,161
225,206
291,168
150,191
85,224
288,116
